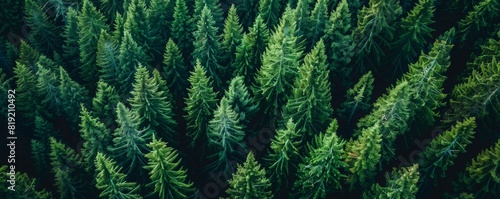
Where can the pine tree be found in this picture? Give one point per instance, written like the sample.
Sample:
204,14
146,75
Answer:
309,104
241,101
111,8
284,156
400,184
270,11
247,10
200,106
129,143
444,149
182,28
357,98
249,181
414,31
301,14
44,34
28,56
477,20
162,86
104,103
317,23
225,138
25,93
375,28
111,182
71,48
341,47
167,176
280,61
232,37
40,146
107,59
119,30
131,56
72,95
49,84
207,47
95,138
248,53
215,10
362,156
138,25
160,16
90,23
174,69
151,106
321,170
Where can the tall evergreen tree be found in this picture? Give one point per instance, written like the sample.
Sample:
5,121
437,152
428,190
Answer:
40,146
215,10
270,11
90,23
302,13
44,34
322,168
131,56
26,184
111,182
357,98
478,19
174,69
167,176
111,8
249,181
107,58
207,47
318,20
247,10
95,138
248,53
151,106
71,48
182,28
104,103
28,56
309,104
400,184
231,39
25,93
72,95
241,101
138,25
48,83
160,16
200,106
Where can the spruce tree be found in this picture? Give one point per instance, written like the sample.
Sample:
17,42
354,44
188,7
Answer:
71,48
200,106
96,137
301,14
162,86
318,20
48,83
28,56
44,35
248,53
160,17
401,183
477,20
111,181
232,36
322,168
131,56
72,95
215,9
357,98
168,178
309,104
247,10
25,93
107,59
138,25
182,28
40,146
207,48
225,138
249,181
154,111
104,103
90,23
241,101
270,11
175,70
111,8
280,61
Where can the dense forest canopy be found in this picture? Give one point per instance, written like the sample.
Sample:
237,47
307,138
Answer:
250,98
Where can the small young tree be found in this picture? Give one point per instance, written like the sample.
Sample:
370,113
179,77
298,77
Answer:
249,181
357,98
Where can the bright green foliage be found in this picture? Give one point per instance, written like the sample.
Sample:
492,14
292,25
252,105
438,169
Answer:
443,150
28,56
118,28
200,106
137,24
247,10
67,166
241,101
207,47
129,143
72,95
48,84
174,70
482,175
400,184
104,103
44,34
182,28
248,53
131,56
25,187
111,8
162,86
111,182
413,33
153,109
284,154
215,10
107,58
71,49
95,138
232,36
362,156
357,98
225,138
167,176
270,11
317,23
478,19
301,14
321,170
489,51
309,104
90,23
374,31
25,94
280,61
249,181
464,195
339,40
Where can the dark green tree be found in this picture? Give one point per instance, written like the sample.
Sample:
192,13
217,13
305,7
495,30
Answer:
249,181
357,98
175,70
40,146
72,95
24,183
111,181
44,35
215,9
182,28
25,79
401,183
231,39
241,101
168,178
104,103
270,11
107,59
28,56
71,48
96,137
138,25
301,14
111,8
131,56
322,169
309,105
160,17
49,84
12,14
477,20
247,10
317,25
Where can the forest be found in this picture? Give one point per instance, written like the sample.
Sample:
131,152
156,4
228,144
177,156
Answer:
250,99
